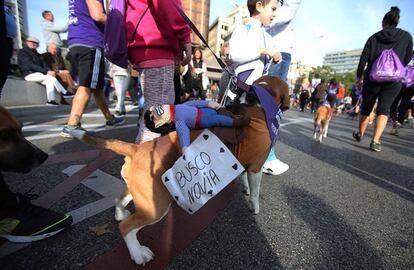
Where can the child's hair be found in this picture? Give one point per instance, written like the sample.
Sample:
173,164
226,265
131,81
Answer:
392,17
251,5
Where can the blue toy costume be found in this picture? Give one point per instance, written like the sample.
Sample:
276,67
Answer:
196,114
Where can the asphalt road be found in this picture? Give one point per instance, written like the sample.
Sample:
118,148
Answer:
339,206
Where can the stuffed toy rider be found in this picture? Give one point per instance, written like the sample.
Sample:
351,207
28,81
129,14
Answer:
195,114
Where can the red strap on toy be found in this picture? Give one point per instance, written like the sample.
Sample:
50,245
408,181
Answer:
199,113
172,110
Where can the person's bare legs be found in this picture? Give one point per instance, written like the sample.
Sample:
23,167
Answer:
99,96
380,124
79,103
363,124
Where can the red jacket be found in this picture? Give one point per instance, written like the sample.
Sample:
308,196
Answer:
341,92
160,33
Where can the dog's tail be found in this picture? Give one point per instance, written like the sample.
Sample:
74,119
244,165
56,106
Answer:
117,146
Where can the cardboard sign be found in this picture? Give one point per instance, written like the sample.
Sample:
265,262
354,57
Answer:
207,167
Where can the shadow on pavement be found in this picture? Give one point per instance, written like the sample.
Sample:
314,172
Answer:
340,247
385,174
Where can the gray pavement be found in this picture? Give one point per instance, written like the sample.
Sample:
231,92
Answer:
339,206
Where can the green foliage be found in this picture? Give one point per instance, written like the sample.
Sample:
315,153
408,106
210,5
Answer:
327,73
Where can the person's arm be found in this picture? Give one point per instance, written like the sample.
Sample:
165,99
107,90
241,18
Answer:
56,29
96,10
409,53
197,103
363,59
286,13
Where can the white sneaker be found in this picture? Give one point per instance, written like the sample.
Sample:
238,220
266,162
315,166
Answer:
275,167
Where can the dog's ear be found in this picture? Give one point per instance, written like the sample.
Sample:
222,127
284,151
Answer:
277,88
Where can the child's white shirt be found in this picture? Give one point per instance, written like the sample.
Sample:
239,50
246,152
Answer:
247,40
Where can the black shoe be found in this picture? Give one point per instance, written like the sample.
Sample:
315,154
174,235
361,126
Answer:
68,95
119,114
375,146
52,103
21,221
357,136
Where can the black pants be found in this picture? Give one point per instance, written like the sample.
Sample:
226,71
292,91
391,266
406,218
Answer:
385,92
401,104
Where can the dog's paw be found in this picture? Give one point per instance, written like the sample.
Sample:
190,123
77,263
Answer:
246,191
142,255
121,214
254,208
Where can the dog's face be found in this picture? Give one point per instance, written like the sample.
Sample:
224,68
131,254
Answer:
277,88
16,153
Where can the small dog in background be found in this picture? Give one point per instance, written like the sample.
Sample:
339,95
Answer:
322,117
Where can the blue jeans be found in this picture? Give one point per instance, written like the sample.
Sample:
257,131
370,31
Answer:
280,70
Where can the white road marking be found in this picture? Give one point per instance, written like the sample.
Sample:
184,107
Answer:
378,178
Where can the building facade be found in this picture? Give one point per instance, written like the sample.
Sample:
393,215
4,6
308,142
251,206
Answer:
343,61
221,29
199,13
20,12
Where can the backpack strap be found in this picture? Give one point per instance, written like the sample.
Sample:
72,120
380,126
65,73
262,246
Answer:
136,27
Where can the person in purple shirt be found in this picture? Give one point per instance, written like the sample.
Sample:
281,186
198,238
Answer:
87,19
195,114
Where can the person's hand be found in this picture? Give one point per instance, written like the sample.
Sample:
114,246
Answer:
187,57
358,82
214,105
277,57
51,73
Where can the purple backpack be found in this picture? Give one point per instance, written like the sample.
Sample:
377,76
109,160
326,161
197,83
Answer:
387,67
115,41
409,76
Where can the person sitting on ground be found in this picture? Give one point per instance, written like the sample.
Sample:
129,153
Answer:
34,69
195,114
56,63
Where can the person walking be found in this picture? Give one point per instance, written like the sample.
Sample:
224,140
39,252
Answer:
85,39
158,37
304,94
121,81
402,44
282,32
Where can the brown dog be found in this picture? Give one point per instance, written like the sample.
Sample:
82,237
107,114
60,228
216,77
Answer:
323,116
16,153
146,162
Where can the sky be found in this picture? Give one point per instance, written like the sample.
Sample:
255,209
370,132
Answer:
321,26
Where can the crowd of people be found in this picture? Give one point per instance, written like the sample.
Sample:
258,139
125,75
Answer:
165,69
